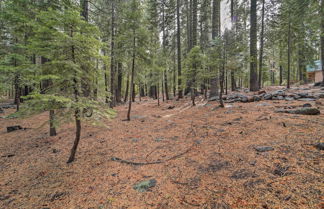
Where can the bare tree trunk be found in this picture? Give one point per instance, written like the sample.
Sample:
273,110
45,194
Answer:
17,91
166,85
127,89
112,61
261,47
253,47
52,125
214,81
289,51
322,39
179,50
132,78
119,83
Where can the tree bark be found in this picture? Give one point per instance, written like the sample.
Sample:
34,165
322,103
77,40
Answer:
112,58
253,47
261,47
322,39
289,52
127,88
214,81
132,78
179,50
119,83
52,125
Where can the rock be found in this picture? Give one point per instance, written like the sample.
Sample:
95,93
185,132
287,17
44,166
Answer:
320,146
306,99
263,104
1,110
319,95
301,111
214,98
278,93
307,105
263,117
267,96
280,98
303,94
296,96
256,98
144,186
244,99
55,150
263,148
289,98
171,107
13,128
138,117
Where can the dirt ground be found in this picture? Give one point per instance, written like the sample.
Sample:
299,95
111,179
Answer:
207,159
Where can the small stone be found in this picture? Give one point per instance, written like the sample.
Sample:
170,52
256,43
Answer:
320,146
263,104
267,96
263,148
171,107
289,98
13,128
307,105
144,186
55,151
303,94
244,99
279,93
256,98
306,99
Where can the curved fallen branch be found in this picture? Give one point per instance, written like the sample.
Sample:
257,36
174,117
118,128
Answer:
154,162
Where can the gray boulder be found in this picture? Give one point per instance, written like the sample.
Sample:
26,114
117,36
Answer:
144,186
263,148
301,111
267,96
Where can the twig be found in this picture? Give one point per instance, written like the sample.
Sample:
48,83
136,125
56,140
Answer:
154,162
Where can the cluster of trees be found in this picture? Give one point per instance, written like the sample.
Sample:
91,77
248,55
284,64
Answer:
76,58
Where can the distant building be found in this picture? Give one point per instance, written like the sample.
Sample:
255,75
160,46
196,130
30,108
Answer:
314,72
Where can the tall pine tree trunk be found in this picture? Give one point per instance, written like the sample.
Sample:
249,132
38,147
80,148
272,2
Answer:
253,47
215,33
289,52
112,58
132,78
261,46
322,39
179,50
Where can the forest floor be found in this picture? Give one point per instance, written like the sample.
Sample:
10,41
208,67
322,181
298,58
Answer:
203,157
